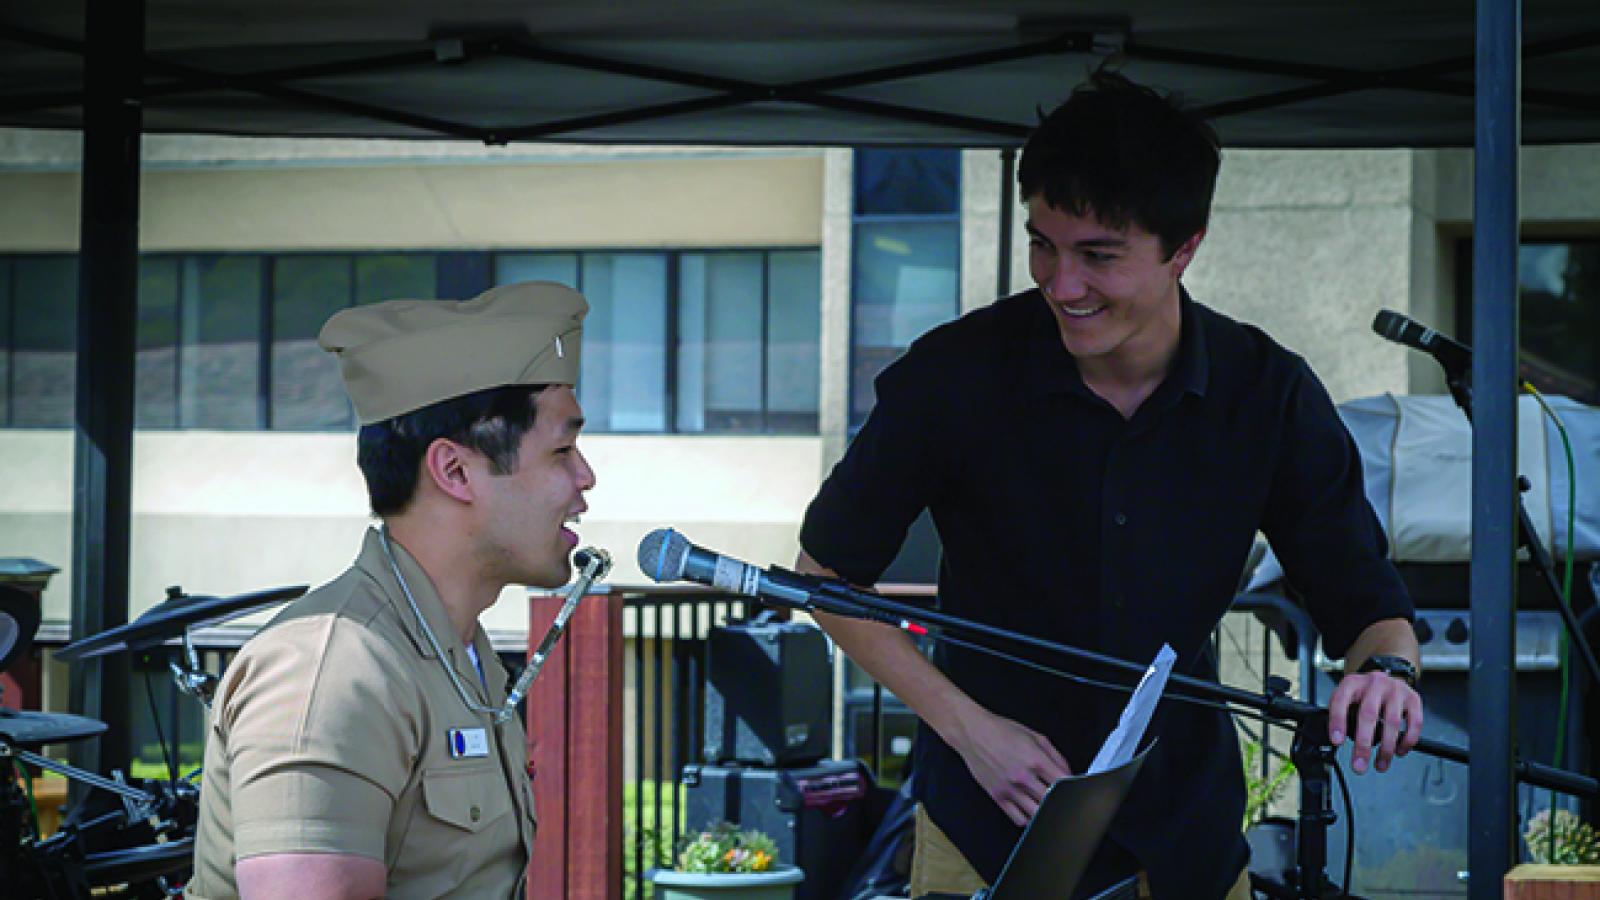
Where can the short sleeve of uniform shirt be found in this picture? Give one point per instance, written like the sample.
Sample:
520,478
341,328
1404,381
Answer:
321,727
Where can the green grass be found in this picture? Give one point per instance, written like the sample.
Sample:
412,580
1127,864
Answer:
657,835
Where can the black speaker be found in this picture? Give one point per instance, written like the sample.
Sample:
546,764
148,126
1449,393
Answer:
769,696
815,814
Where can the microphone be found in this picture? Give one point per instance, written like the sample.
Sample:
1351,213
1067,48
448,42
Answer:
665,555
1454,356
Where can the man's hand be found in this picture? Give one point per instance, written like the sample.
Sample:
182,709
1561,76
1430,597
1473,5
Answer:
1378,697
1012,762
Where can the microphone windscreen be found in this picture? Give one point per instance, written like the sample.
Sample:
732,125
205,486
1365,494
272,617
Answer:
663,554
1389,323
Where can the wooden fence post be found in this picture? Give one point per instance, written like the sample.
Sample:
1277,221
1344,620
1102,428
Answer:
575,752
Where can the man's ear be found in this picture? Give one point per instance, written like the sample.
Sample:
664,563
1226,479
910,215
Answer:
445,465
1184,255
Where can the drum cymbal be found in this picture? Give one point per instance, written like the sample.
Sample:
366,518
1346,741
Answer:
26,728
170,618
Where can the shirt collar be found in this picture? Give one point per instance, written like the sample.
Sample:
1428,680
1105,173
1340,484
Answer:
1054,370
375,563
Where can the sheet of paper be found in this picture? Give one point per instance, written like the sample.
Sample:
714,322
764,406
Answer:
1123,742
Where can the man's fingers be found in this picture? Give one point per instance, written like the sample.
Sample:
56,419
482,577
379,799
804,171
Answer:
1339,711
1059,762
1392,724
1413,713
1014,812
1366,723
1030,789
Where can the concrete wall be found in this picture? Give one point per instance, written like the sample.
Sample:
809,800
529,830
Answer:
1306,244
226,512
222,513
695,202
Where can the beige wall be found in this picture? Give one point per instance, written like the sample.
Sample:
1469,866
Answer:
222,513
225,513
697,202
1306,244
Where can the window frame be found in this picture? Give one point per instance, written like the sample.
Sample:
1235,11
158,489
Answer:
855,418
1463,296
459,273
674,284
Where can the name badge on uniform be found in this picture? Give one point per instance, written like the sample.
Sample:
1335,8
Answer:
468,743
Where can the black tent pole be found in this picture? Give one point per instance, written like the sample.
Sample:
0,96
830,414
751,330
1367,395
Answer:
108,278
1490,842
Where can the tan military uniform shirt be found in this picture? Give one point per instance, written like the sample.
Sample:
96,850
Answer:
336,730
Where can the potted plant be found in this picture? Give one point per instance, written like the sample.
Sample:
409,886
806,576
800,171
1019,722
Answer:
724,863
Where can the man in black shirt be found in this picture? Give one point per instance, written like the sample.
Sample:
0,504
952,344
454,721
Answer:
1098,455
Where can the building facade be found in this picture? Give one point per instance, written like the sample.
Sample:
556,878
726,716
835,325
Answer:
742,302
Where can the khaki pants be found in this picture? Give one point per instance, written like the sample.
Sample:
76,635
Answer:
936,865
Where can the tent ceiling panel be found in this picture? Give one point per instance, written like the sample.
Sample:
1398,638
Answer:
1327,73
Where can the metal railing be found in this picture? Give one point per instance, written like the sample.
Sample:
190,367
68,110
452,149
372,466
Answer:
666,631
665,656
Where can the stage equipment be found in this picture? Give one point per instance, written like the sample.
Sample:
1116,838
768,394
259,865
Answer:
769,693
136,840
1456,360
815,814
593,565
1418,848
173,617
35,729
19,621
1314,757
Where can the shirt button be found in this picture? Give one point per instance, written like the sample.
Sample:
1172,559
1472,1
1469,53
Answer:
1120,519
475,813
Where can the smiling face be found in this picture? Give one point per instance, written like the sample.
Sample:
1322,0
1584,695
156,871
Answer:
1114,299
525,514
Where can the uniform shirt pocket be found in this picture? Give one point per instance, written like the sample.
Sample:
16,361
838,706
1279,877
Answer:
467,797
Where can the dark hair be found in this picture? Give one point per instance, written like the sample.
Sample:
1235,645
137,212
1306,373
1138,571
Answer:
490,421
1126,155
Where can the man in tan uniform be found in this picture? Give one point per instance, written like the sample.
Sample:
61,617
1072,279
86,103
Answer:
354,749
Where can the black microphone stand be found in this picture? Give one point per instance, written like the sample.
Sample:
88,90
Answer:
1459,380
1312,753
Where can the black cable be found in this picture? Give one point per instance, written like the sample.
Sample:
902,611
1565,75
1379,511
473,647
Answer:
1075,678
161,738
1349,828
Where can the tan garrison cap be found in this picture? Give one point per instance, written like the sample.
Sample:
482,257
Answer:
401,355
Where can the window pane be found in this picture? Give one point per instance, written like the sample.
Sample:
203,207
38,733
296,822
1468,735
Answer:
307,394
1561,318
561,268
906,282
719,342
155,377
794,329
907,182
44,296
623,383
395,276
219,381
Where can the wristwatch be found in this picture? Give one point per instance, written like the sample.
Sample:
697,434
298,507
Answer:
1393,666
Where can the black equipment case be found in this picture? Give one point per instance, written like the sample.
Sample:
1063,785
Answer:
816,814
769,693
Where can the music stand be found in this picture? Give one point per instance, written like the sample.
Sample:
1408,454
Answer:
1056,847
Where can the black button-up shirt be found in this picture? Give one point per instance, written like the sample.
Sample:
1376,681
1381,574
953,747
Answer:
1062,519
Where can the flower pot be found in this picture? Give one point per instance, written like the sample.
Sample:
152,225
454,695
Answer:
777,884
